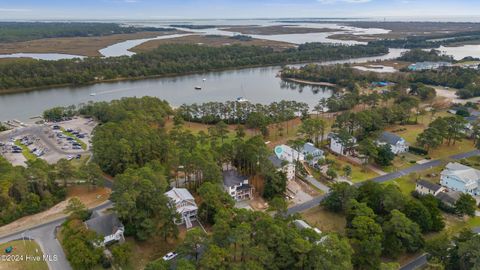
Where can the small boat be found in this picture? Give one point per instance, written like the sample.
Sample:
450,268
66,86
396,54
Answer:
242,99
93,94
204,80
198,88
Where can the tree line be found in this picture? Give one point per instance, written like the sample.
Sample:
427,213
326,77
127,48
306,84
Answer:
167,60
25,31
39,186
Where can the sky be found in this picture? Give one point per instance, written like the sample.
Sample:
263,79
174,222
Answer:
185,9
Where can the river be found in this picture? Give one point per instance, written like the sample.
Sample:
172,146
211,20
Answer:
258,85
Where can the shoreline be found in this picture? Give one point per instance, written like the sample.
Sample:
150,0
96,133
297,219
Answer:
310,82
31,89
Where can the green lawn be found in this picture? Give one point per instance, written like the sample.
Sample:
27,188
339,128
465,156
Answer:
359,174
69,134
25,151
324,220
21,248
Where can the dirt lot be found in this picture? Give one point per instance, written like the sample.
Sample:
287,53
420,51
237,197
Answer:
215,41
277,30
300,192
87,46
90,197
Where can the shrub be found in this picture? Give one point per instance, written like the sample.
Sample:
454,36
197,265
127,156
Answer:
418,150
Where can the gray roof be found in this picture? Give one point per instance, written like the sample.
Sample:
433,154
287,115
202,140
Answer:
277,163
429,185
309,148
449,197
390,138
476,230
104,225
232,178
472,118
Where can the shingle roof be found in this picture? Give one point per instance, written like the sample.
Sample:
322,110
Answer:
277,163
429,185
104,225
390,138
232,178
450,197
309,148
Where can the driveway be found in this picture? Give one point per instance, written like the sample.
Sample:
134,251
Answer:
317,184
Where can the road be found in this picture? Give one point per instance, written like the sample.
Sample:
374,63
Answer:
416,263
44,235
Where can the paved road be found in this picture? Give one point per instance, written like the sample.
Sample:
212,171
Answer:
416,263
44,235
317,184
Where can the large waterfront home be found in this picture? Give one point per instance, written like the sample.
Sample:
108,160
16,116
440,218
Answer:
185,205
461,178
237,185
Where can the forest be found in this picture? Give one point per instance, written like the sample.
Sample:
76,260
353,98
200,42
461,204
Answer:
427,42
166,60
25,31
418,55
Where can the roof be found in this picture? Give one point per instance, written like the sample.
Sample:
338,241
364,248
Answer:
429,185
476,230
472,118
104,225
277,163
179,194
466,174
309,148
300,224
232,178
390,138
449,197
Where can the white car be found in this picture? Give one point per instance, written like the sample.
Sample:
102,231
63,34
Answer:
170,256
70,158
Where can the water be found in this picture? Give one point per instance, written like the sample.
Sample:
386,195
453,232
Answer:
461,52
123,48
41,56
258,85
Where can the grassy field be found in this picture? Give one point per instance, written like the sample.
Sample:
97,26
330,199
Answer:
214,41
359,174
21,248
25,151
324,220
87,46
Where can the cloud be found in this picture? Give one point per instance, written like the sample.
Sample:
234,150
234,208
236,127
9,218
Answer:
343,1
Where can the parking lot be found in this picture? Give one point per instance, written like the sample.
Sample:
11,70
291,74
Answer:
51,142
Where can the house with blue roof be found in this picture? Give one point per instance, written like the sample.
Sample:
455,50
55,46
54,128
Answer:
309,150
458,177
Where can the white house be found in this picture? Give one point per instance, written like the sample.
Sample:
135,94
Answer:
184,203
107,226
237,186
397,144
458,177
424,187
310,150
285,152
283,166
336,146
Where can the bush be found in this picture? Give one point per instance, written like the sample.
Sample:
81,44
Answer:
418,150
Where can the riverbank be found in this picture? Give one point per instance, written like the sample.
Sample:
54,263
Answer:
310,82
84,46
120,79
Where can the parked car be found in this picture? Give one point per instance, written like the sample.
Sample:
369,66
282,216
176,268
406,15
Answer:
70,157
78,156
170,256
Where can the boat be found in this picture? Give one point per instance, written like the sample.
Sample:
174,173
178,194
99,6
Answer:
242,99
198,88
93,94
204,80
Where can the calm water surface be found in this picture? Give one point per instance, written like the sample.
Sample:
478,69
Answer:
259,85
